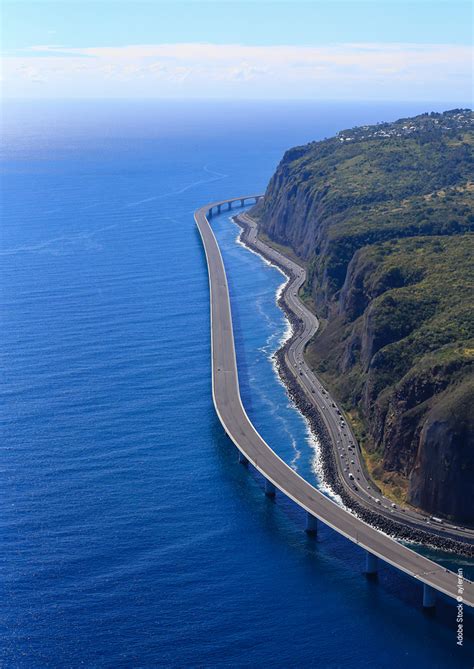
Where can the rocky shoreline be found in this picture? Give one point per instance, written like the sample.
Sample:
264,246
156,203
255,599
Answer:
317,427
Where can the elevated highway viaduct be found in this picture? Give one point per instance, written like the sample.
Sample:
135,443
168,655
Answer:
277,474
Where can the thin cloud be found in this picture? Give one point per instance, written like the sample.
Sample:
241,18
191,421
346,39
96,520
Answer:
395,70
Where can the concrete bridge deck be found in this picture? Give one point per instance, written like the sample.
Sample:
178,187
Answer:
278,475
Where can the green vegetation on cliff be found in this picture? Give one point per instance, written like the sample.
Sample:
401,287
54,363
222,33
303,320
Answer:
383,215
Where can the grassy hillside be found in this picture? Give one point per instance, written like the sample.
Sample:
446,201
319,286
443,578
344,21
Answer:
384,217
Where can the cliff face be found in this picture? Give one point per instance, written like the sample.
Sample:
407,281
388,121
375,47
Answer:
384,223
443,474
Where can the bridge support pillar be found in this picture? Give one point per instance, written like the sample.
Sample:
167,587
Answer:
209,213
270,489
229,205
242,203
429,596
311,523
371,563
218,208
242,459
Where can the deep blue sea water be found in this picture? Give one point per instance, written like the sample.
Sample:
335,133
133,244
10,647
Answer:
129,534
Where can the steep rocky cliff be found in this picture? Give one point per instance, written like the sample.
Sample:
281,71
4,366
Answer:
383,217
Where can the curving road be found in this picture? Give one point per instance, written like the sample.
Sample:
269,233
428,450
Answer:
348,458
229,408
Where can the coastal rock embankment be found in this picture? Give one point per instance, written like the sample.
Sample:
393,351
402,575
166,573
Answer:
318,428
383,217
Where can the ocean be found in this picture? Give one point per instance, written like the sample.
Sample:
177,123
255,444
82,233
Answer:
129,534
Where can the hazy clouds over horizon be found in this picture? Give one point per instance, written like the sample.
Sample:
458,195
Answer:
193,59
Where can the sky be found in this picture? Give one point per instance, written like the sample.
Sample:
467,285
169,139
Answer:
255,49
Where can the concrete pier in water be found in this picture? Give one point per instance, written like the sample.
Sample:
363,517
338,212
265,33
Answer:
311,523
371,563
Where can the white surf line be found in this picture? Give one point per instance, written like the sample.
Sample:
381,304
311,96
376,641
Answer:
312,438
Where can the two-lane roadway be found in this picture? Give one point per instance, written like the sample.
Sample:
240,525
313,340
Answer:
347,455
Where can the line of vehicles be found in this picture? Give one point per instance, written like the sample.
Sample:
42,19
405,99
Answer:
354,476
345,444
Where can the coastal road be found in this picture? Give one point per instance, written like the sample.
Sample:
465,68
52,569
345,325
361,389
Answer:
229,408
348,458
